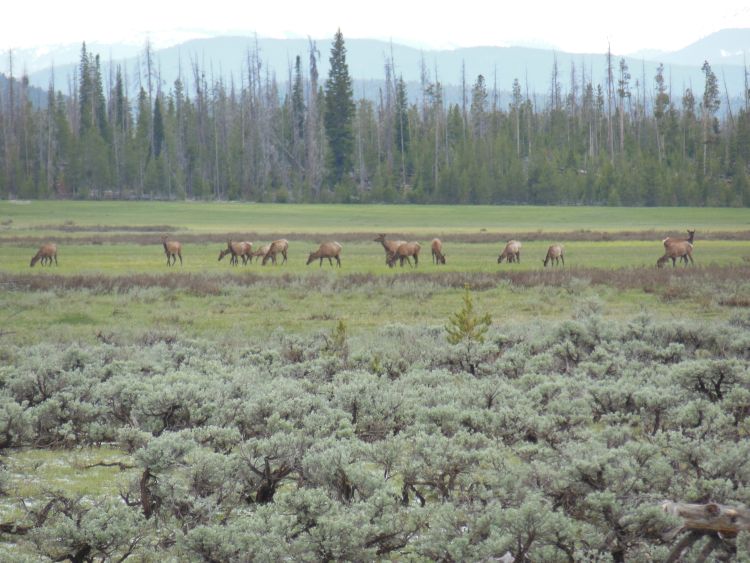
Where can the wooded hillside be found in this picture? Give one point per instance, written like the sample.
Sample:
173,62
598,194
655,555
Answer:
621,140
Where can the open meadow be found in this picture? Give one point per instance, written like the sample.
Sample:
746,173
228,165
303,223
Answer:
206,412
112,273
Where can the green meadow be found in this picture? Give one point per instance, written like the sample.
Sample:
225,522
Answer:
41,217
112,275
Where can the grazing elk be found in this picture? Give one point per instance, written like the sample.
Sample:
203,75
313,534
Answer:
237,250
437,251
172,249
390,247
326,250
46,253
683,250
554,252
260,253
276,247
404,252
511,252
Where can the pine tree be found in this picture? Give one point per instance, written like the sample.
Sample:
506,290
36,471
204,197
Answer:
298,102
158,127
467,327
709,107
339,113
401,128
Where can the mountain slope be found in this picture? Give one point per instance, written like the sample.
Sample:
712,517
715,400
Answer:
725,47
227,57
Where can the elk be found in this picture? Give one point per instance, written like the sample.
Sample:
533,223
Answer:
274,248
46,253
262,251
511,252
390,246
403,252
554,252
237,250
683,250
172,249
326,250
437,251
669,240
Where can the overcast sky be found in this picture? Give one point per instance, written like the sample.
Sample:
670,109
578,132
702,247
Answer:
574,26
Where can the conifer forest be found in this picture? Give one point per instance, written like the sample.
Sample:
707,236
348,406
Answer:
618,139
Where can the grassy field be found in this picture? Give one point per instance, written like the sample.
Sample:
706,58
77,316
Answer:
42,217
106,285
112,295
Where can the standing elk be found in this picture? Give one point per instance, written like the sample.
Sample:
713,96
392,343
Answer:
437,251
675,250
511,252
277,246
554,252
326,250
390,247
237,250
669,240
404,252
46,253
172,249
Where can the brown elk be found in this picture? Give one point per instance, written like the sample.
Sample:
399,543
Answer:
437,251
172,249
669,240
237,250
511,252
554,252
46,253
326,250
390,246
683,250
260,253
404,252
276,247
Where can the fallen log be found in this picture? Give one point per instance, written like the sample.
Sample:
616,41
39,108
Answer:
715,521
726,520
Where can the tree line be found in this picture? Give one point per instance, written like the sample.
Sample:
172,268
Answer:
621,141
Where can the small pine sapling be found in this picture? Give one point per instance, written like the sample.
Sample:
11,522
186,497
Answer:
465,327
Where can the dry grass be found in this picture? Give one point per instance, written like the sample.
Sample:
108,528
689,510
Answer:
147,235
666,282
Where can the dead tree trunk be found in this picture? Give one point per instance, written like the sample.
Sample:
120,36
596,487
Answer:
715,521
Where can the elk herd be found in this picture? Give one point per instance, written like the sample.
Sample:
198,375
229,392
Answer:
395,251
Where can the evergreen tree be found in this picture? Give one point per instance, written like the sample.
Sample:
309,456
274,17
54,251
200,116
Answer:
298,102
401,128
158,127
709,107
339,113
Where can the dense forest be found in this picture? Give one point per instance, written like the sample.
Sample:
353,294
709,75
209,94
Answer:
611,140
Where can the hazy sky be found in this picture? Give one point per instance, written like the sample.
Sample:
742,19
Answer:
575,25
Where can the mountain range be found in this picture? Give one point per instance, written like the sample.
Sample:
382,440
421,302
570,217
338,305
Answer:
226,57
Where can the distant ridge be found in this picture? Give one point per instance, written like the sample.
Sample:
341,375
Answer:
226,57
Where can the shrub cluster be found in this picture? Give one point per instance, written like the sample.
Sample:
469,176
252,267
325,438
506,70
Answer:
559,446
